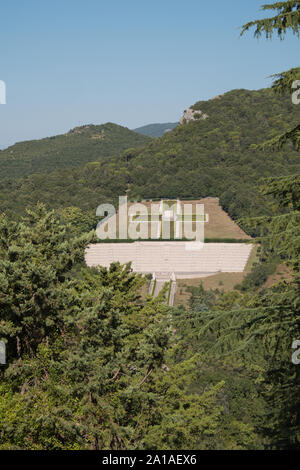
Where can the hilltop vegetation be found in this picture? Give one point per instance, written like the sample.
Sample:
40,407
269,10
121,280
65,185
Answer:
75,148
156,130
87,359
211,157
215,156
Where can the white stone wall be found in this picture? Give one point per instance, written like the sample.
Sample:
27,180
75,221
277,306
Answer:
172,257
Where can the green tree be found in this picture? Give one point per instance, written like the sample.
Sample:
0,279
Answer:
263,332
287,18
86,363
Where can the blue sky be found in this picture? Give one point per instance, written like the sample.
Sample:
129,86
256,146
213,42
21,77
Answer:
132,62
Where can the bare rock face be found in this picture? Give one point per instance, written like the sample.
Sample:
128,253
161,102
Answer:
192,115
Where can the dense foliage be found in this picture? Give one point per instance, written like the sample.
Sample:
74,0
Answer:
156,130
214,157
264,328
80,145
92,365
85,356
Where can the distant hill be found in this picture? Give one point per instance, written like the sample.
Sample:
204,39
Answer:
156,130
77,147
212,155
204,157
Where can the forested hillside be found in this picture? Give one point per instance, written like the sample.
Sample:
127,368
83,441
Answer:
211,157
79,146
156,130
90,363
215,156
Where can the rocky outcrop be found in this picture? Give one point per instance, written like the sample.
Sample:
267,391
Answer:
192,115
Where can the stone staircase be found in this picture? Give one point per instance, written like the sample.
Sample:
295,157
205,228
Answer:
159,280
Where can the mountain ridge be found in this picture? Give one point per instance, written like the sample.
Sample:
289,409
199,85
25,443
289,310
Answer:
156,129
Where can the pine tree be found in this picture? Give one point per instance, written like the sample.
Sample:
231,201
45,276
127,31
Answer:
36,291
287,18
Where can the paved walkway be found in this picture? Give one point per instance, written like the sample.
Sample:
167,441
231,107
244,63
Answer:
159,280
